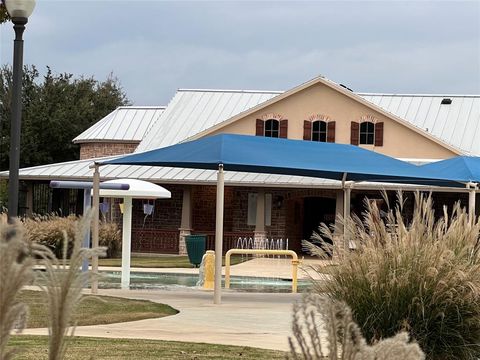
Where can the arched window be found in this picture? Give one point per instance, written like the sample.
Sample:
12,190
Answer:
272,127
319,131
367,133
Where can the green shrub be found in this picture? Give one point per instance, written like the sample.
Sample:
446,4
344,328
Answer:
49,230
422,277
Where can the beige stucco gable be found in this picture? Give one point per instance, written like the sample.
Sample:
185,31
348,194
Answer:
321,100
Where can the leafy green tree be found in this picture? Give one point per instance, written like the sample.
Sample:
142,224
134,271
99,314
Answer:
3,13
56,108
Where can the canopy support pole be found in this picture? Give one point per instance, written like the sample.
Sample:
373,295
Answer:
87,204
346,217
346,211
217,292
126,242
96,203
472,192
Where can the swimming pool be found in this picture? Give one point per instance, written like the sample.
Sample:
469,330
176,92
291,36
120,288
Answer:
171,281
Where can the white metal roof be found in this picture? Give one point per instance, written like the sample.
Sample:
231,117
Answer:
457,124
193,111
79,170
126,123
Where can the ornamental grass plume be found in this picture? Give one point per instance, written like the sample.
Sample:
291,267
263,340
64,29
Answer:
16,271
420,275
49,230
325,329
63,287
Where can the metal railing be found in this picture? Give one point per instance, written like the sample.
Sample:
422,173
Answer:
291,253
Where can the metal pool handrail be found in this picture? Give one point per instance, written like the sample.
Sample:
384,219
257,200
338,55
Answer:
291,253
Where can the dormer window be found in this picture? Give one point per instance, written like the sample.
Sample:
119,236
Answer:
367,132
319,128
272,128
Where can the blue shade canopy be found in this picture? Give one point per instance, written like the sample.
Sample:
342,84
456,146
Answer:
282,156
461,168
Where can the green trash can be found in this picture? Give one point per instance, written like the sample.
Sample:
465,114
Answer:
196,247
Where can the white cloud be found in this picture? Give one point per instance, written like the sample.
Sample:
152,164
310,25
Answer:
370,46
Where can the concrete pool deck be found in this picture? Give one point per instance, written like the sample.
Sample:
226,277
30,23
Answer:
260,320
243,319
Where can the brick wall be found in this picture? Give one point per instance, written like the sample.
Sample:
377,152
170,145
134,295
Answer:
204,208
167,213
287,209
99,149
159,232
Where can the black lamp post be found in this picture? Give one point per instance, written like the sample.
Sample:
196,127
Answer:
19,11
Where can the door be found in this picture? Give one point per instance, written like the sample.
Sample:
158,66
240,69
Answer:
317,210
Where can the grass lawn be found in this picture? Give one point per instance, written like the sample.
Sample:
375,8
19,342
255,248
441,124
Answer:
82,348
96,310
164,261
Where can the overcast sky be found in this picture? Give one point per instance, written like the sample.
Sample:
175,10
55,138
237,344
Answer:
156,47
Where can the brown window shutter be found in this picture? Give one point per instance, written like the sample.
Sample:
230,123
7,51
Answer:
260,128
284,128
354,133
379,134
307,130
331,131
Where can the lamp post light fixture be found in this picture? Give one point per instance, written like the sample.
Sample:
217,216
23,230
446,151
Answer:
19,11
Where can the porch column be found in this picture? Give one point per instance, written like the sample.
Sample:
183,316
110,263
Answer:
186,223
260,233
346,218
338,227
472,194
29,204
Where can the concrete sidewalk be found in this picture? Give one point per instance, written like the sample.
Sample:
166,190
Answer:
244,319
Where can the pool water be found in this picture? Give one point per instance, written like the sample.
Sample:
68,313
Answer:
144,280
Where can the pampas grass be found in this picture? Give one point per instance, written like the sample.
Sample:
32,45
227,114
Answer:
324,329
62,284
63,288
421,276
16,271
49,230
110,237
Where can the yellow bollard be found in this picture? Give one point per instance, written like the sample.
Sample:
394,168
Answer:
209,270
295,263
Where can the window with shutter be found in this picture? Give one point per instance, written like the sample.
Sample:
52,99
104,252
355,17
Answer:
331,131
284,129
379,134
260,127
307,130
272,128
354,133
367,133
319,131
